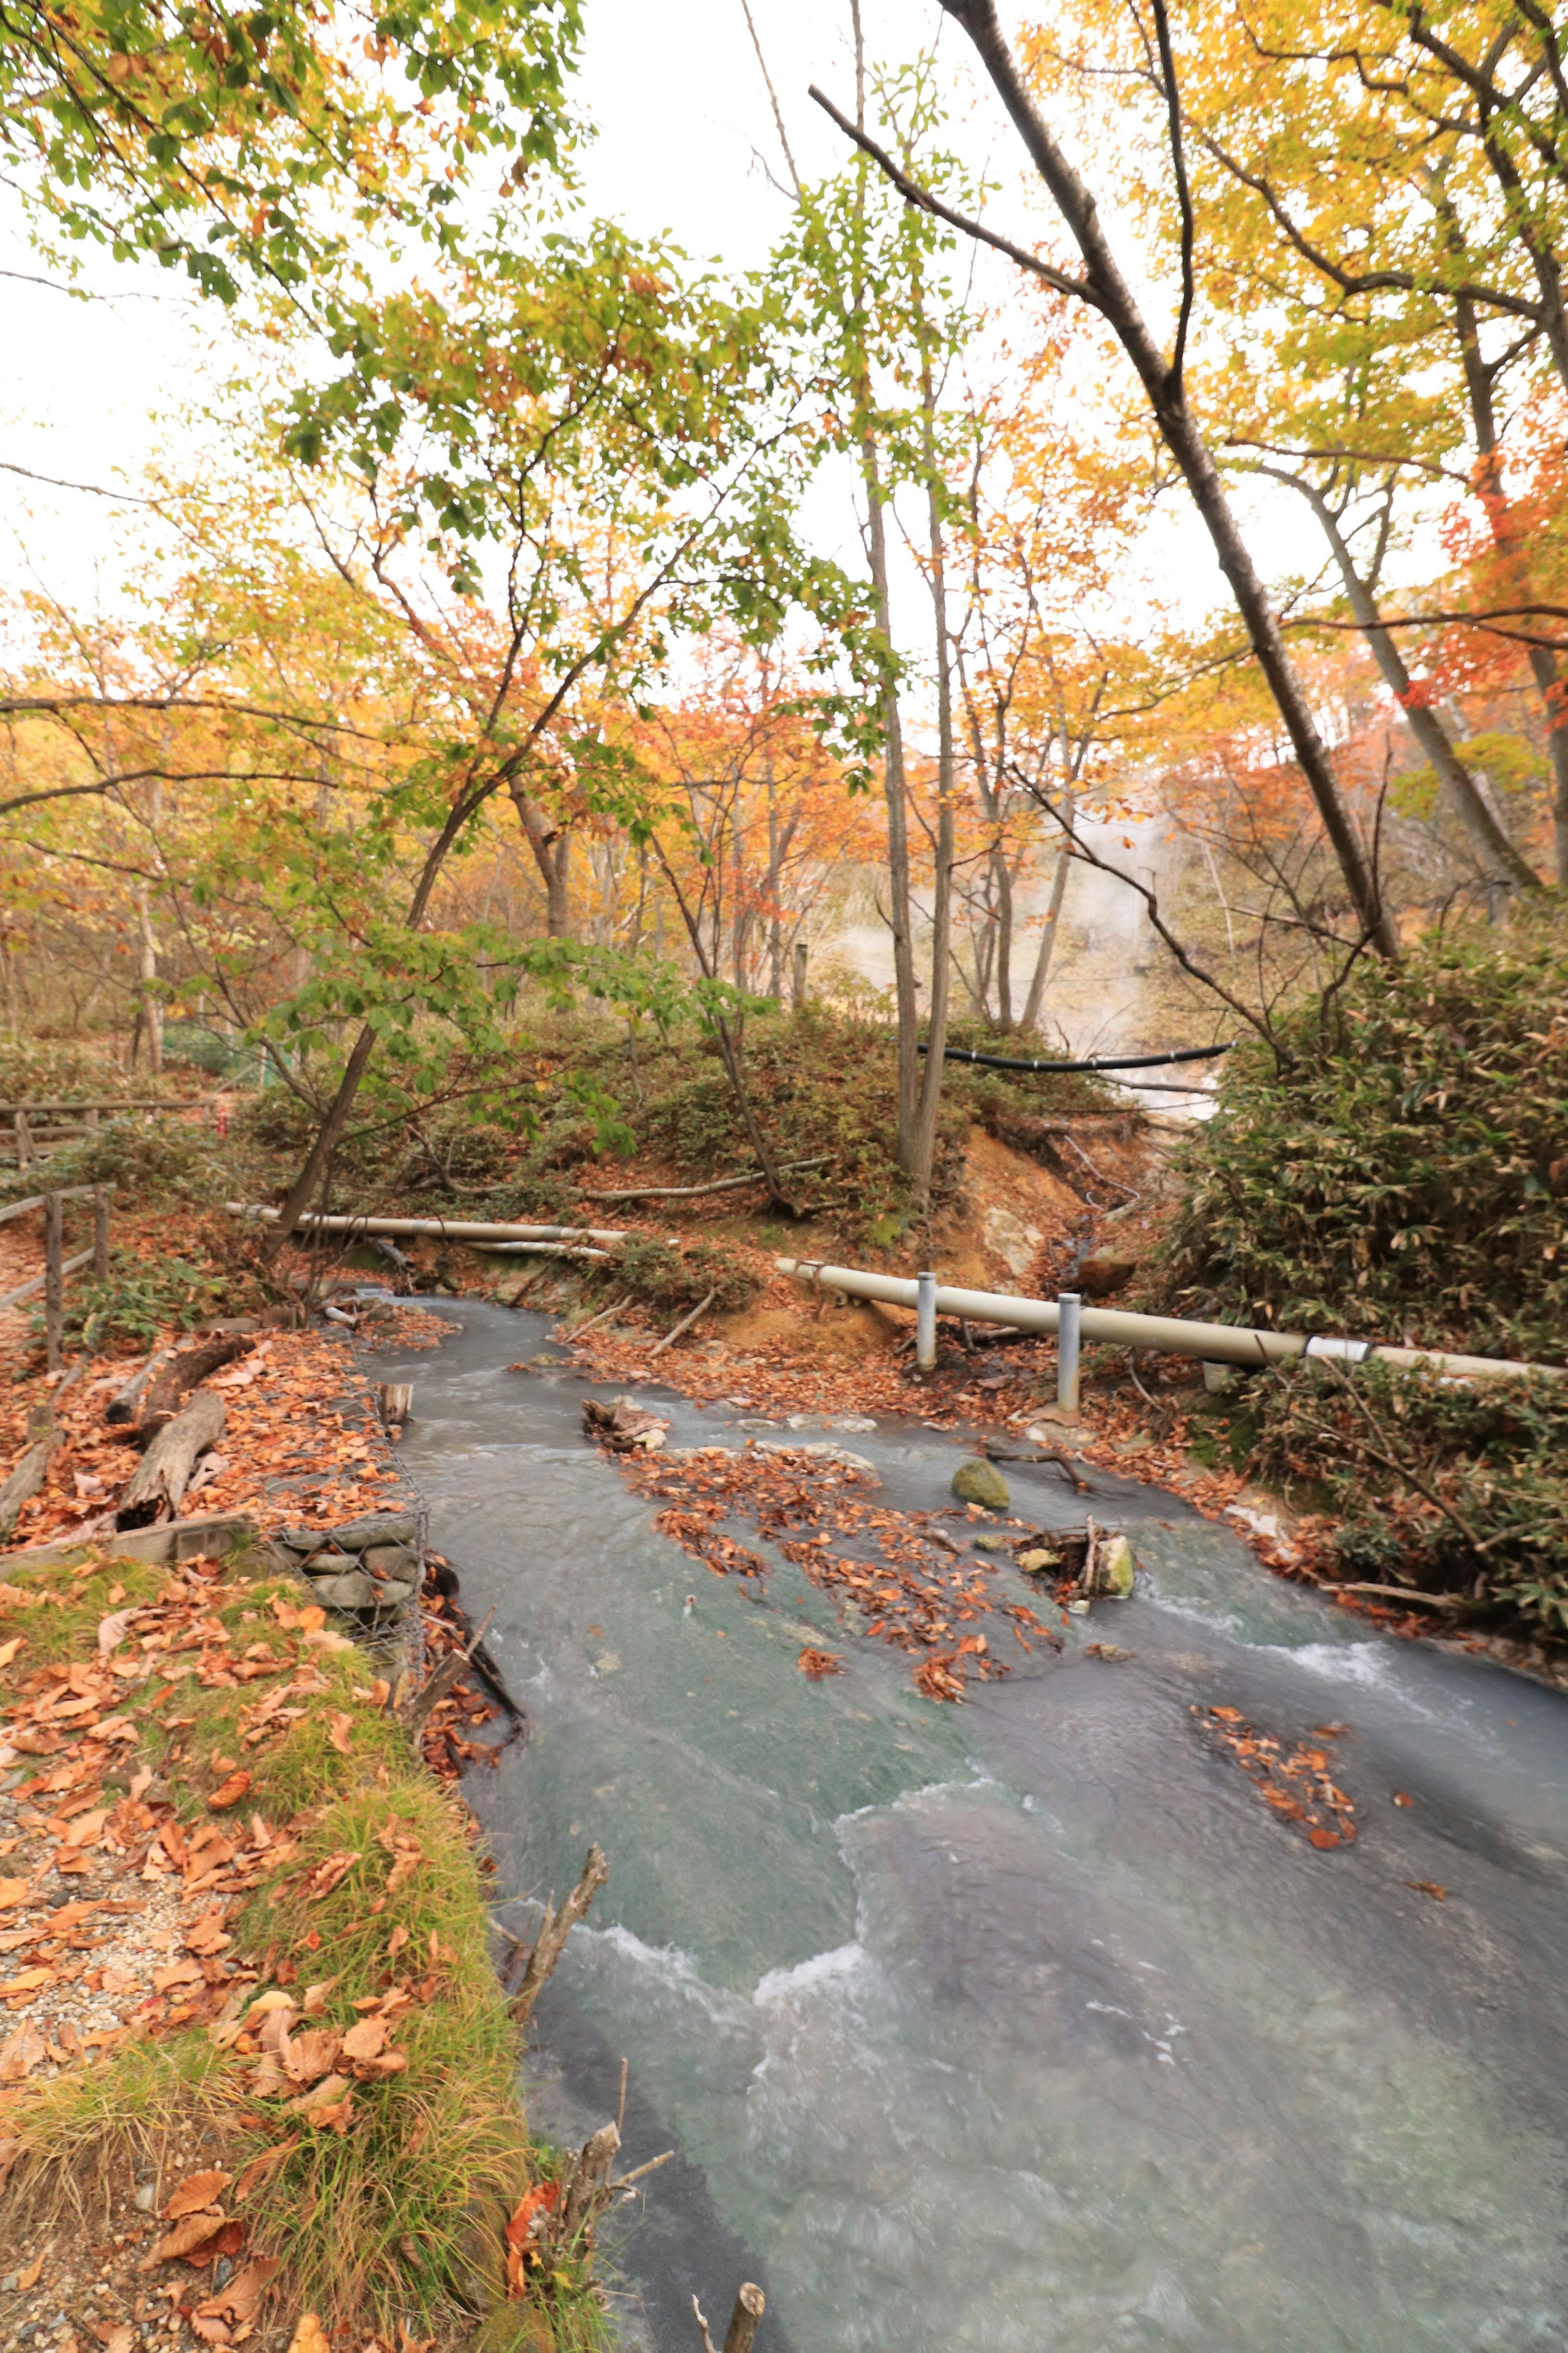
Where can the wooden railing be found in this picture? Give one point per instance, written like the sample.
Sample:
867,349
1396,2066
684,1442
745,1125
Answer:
37,1124
57,1266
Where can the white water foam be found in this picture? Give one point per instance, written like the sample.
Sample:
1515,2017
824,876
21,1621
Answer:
806,1977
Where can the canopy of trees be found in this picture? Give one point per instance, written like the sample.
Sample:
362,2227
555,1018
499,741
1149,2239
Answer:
1199,508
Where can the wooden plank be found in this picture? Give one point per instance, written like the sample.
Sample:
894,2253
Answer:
36,1200
25,1290
114,1103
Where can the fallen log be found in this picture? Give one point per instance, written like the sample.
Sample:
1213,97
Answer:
184,1372
26,1481
28,1475
164,1470
125,1405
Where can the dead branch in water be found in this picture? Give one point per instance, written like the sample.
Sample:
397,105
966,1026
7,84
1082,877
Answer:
553,1931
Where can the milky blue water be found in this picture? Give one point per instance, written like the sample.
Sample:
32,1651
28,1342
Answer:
1019,2025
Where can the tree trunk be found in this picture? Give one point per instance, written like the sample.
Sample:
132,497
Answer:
1108,292
1001,883
929,1104
551,848
149,1010
164,1470
1543,669
1053,920
1488,837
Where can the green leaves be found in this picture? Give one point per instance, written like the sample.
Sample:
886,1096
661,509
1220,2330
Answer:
251,145
1405,1173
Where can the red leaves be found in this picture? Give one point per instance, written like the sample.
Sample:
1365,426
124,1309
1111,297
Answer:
815,1664
1295,1786
521,2230
814,1508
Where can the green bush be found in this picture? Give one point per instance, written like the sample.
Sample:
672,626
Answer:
145,1159
1405,1173
671,1280
137,1301
1461,1487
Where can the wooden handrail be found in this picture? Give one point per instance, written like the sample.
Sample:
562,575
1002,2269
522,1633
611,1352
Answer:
36,1200
119,1102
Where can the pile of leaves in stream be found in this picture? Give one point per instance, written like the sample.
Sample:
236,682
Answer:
259,2075
909,1582
1402,1170
1295,1783
1452,1488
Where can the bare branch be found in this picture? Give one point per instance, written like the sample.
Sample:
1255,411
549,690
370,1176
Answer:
922,198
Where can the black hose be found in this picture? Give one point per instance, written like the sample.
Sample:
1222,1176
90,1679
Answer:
1098,1062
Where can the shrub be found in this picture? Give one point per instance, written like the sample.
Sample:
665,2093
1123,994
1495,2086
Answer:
139,1300
1405,1171
145,1159
1458,1486
671,1280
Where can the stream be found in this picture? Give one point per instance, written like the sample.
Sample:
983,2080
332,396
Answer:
1019,2025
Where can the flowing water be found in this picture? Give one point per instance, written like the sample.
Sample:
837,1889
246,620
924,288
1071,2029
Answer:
1020,2025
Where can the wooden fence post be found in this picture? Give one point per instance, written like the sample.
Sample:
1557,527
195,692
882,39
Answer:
24,1142
100,1232
54,1280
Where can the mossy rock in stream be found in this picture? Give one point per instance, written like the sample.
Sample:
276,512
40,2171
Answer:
978,1481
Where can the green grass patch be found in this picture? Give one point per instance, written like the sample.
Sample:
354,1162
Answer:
394,2220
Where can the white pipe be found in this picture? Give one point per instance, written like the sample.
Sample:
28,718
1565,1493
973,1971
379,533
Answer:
925,1323
1070,1330
449,1229
1214,1344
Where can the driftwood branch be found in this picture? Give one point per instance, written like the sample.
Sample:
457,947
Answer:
744,2321
1408,1596
685,1324
604,1316
691,1192
164,1470
447,1676
553,1931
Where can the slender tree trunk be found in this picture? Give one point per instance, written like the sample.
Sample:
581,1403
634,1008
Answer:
1001,883
1543,665
149,1011
551,848
1108,292
906,993
1031,1020
1497,850
929,1106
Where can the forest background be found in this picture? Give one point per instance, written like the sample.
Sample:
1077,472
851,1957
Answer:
511,601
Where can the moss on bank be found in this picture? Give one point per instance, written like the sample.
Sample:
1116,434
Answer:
383,2206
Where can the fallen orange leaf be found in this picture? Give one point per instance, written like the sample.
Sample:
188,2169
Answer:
197,2190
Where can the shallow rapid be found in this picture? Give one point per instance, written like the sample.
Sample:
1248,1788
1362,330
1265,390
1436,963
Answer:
1020,2025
